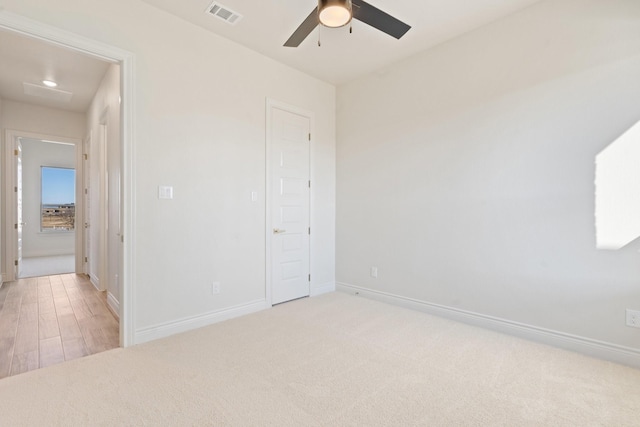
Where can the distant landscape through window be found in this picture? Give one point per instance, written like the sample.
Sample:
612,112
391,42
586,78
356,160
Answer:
58,203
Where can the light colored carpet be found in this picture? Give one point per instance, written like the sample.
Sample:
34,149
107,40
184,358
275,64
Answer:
48,265
333,360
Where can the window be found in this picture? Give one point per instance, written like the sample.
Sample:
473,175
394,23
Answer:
58,199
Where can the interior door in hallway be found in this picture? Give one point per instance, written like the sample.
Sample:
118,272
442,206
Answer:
95,204
19,223
289,204
86,197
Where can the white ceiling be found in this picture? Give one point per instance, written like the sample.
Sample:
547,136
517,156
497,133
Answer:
28,60
266,25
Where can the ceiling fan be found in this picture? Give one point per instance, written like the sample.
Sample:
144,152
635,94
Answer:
338,13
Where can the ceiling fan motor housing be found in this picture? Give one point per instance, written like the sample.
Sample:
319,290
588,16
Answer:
338,13
334,13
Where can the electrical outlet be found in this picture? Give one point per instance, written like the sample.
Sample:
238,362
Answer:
215,288
374,272
633,318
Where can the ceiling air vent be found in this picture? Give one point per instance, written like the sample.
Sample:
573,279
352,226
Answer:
224,13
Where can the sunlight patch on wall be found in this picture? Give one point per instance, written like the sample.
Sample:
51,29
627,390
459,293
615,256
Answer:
617,183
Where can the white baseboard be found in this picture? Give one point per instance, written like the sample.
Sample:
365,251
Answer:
189,323
95,281
323,288
113,304
600,349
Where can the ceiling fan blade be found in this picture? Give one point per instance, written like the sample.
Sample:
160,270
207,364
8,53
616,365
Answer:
304,29
384,22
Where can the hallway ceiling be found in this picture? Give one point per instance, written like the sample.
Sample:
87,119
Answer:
28,60
266,25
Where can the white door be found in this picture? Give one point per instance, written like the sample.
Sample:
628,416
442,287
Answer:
87,205
19,222
94,206
289,204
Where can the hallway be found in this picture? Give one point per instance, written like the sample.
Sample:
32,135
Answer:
51,319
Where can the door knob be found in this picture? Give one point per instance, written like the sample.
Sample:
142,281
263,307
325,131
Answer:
278,231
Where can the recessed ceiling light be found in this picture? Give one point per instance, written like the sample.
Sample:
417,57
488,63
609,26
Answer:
49,83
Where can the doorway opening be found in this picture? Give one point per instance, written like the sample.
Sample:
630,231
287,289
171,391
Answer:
119,94
46,207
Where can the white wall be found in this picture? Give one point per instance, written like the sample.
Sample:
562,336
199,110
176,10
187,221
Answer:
42,120
466,173
2,196
36,154
200,127
32,119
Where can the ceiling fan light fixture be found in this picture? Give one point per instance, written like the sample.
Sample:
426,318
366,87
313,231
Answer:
334,13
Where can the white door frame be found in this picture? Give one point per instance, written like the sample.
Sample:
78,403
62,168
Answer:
10,232
270,105
17,23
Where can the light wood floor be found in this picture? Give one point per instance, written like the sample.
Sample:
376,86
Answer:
47,320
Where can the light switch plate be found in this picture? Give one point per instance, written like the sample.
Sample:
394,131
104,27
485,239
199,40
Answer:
633,318
165,192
